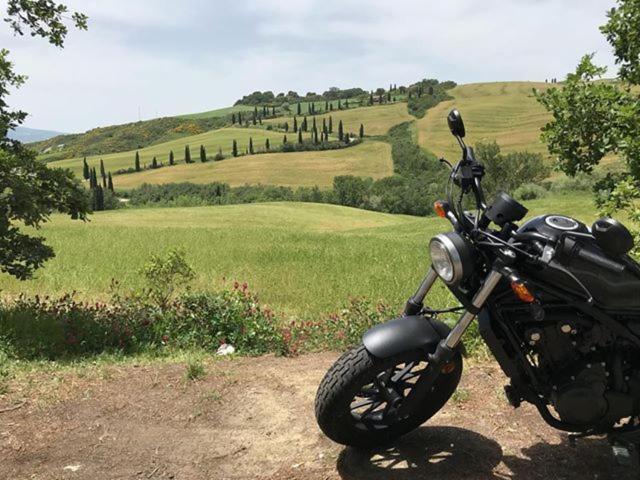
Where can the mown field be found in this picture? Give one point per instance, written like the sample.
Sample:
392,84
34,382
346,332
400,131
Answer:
213,140
377,120
369,159
506,112
302,259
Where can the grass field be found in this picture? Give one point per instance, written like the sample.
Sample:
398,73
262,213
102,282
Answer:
219,112
369,159
302,259
505,112
377,120
212,140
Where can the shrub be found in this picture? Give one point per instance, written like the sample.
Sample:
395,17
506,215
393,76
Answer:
165,274
530,191
580,182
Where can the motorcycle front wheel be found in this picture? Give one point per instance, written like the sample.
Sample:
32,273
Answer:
358,398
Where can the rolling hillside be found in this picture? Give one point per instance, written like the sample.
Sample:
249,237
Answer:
505,112
370,159
377,120
212,140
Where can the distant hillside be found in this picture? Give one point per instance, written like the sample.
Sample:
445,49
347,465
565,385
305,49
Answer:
28,135
506,112
119,138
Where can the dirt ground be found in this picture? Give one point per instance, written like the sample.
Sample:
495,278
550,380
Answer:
253,418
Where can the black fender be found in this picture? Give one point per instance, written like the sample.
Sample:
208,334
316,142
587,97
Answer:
403,334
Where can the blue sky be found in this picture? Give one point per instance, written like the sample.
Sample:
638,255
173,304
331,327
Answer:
166,57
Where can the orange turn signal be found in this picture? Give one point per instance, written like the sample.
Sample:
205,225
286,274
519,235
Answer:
438,207
522,292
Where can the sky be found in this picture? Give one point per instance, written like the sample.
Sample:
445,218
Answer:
150,58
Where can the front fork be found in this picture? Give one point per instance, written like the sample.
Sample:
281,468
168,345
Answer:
447,345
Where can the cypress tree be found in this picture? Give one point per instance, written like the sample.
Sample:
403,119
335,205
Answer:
137,162
219,156
330,124
371,98
361,130
172,160
331,107
255,116
93,180
267,146
234,149
284,140
388,96
99,198
340,131
286,126
295,124
299,136
264,110
273,111
85,169
304,124
187,154
251,145
240,118
299,109
315,135
104,182
339,105
324,124
154,163
326,136
326,105
314,123
103,172
203,154
110,182
346,103
233,119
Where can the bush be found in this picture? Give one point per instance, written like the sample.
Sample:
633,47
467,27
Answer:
530,191
581,182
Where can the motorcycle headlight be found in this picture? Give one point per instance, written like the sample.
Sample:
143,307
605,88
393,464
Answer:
451,257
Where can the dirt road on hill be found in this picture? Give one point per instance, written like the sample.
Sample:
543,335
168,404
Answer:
253,418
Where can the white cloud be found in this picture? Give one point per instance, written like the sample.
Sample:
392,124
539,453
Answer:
170,57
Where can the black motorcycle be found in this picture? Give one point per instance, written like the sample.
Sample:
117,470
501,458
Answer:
558,305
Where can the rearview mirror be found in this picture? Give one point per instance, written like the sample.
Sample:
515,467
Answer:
456,125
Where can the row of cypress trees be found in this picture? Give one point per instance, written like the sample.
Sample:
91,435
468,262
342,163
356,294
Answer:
97,187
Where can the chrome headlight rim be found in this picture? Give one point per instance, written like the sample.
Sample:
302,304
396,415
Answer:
455,255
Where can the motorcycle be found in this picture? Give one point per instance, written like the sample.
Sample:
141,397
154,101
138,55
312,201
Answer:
557,304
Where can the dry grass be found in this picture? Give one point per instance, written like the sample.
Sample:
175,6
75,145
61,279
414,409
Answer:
370,159
505,112
377,120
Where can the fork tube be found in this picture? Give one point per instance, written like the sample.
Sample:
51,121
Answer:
481,296
415,303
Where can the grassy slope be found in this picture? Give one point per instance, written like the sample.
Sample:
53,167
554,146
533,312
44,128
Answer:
212,140
219,112
505,111
369,159
377,120
301,258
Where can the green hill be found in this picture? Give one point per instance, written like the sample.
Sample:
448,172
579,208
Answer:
120,138
212,140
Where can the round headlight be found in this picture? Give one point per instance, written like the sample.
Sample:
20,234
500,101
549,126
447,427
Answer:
450,257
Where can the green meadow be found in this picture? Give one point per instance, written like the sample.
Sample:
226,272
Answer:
302,259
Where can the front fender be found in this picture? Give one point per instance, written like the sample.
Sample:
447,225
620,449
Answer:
404,333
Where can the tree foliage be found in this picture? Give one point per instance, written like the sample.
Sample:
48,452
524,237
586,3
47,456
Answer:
594,118
29,191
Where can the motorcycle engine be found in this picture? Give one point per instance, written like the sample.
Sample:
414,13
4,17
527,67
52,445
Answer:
579,394
571,350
